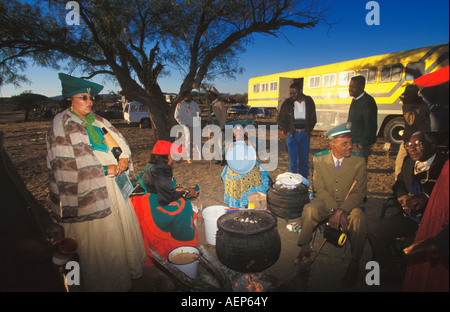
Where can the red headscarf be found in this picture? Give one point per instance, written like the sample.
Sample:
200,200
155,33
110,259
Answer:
165,148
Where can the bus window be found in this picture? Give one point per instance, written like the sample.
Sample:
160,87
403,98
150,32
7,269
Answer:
273,86
370,74
256,88
329,80
264,87
345,77
314,82
414,70
391,73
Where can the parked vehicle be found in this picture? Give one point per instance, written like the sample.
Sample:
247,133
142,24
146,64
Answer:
258,112
112,111
137,113
386,75
238,109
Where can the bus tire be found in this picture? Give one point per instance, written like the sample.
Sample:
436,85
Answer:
393,131
145,123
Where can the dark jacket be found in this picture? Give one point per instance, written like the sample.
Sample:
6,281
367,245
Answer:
285,119
363,116
158,180
426,179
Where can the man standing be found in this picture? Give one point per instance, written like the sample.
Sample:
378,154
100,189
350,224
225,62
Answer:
363,116
297,118
417,118
184,113
217,110
412,190
217,116
340,185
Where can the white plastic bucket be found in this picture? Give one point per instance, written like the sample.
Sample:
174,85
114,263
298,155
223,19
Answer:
190,268
210,216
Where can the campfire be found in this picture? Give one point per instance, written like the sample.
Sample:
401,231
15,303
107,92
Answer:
250,283
225,279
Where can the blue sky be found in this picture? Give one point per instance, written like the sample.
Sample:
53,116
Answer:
403,25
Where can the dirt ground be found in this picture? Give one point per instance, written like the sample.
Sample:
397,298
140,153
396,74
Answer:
25,144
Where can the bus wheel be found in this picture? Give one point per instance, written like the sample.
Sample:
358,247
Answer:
145,123
394,129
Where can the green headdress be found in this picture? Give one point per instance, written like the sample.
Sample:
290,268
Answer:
73,85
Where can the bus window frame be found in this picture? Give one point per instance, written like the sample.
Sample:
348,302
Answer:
422,66
315,77
368,74
390,72
348,78
330,85
256,88
264,87
271,84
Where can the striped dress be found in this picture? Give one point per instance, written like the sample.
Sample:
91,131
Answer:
91,207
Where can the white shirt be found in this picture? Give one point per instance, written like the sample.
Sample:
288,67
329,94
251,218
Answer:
359,96
335,160
185,112
425,165
299,110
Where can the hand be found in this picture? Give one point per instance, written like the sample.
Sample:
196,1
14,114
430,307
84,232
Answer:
403,199
192,192
53,231
113,170
416,204
338,219
291,133
123,165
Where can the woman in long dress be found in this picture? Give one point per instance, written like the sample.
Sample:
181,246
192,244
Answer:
85,195
238,185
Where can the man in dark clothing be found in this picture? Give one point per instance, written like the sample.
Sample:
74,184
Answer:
297,118
363,116
417,118
412,191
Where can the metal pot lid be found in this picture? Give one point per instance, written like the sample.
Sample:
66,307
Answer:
247,222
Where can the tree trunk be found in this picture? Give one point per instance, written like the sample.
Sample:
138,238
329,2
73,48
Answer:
153,99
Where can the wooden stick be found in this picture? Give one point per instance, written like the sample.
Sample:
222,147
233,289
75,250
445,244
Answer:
197,283
211,264
318,252
351,188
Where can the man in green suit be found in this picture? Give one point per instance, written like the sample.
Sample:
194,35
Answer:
340,186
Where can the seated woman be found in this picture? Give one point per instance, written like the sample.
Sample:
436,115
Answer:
238,185
164,212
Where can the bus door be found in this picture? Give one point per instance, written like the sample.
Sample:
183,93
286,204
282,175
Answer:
283,88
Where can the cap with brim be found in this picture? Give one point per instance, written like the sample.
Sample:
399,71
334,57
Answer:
343,128
411,90
241,158
165,148
73,85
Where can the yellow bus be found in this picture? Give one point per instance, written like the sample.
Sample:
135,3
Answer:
386,77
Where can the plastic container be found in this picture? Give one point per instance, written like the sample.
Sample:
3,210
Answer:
210,216
186,259
294,227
